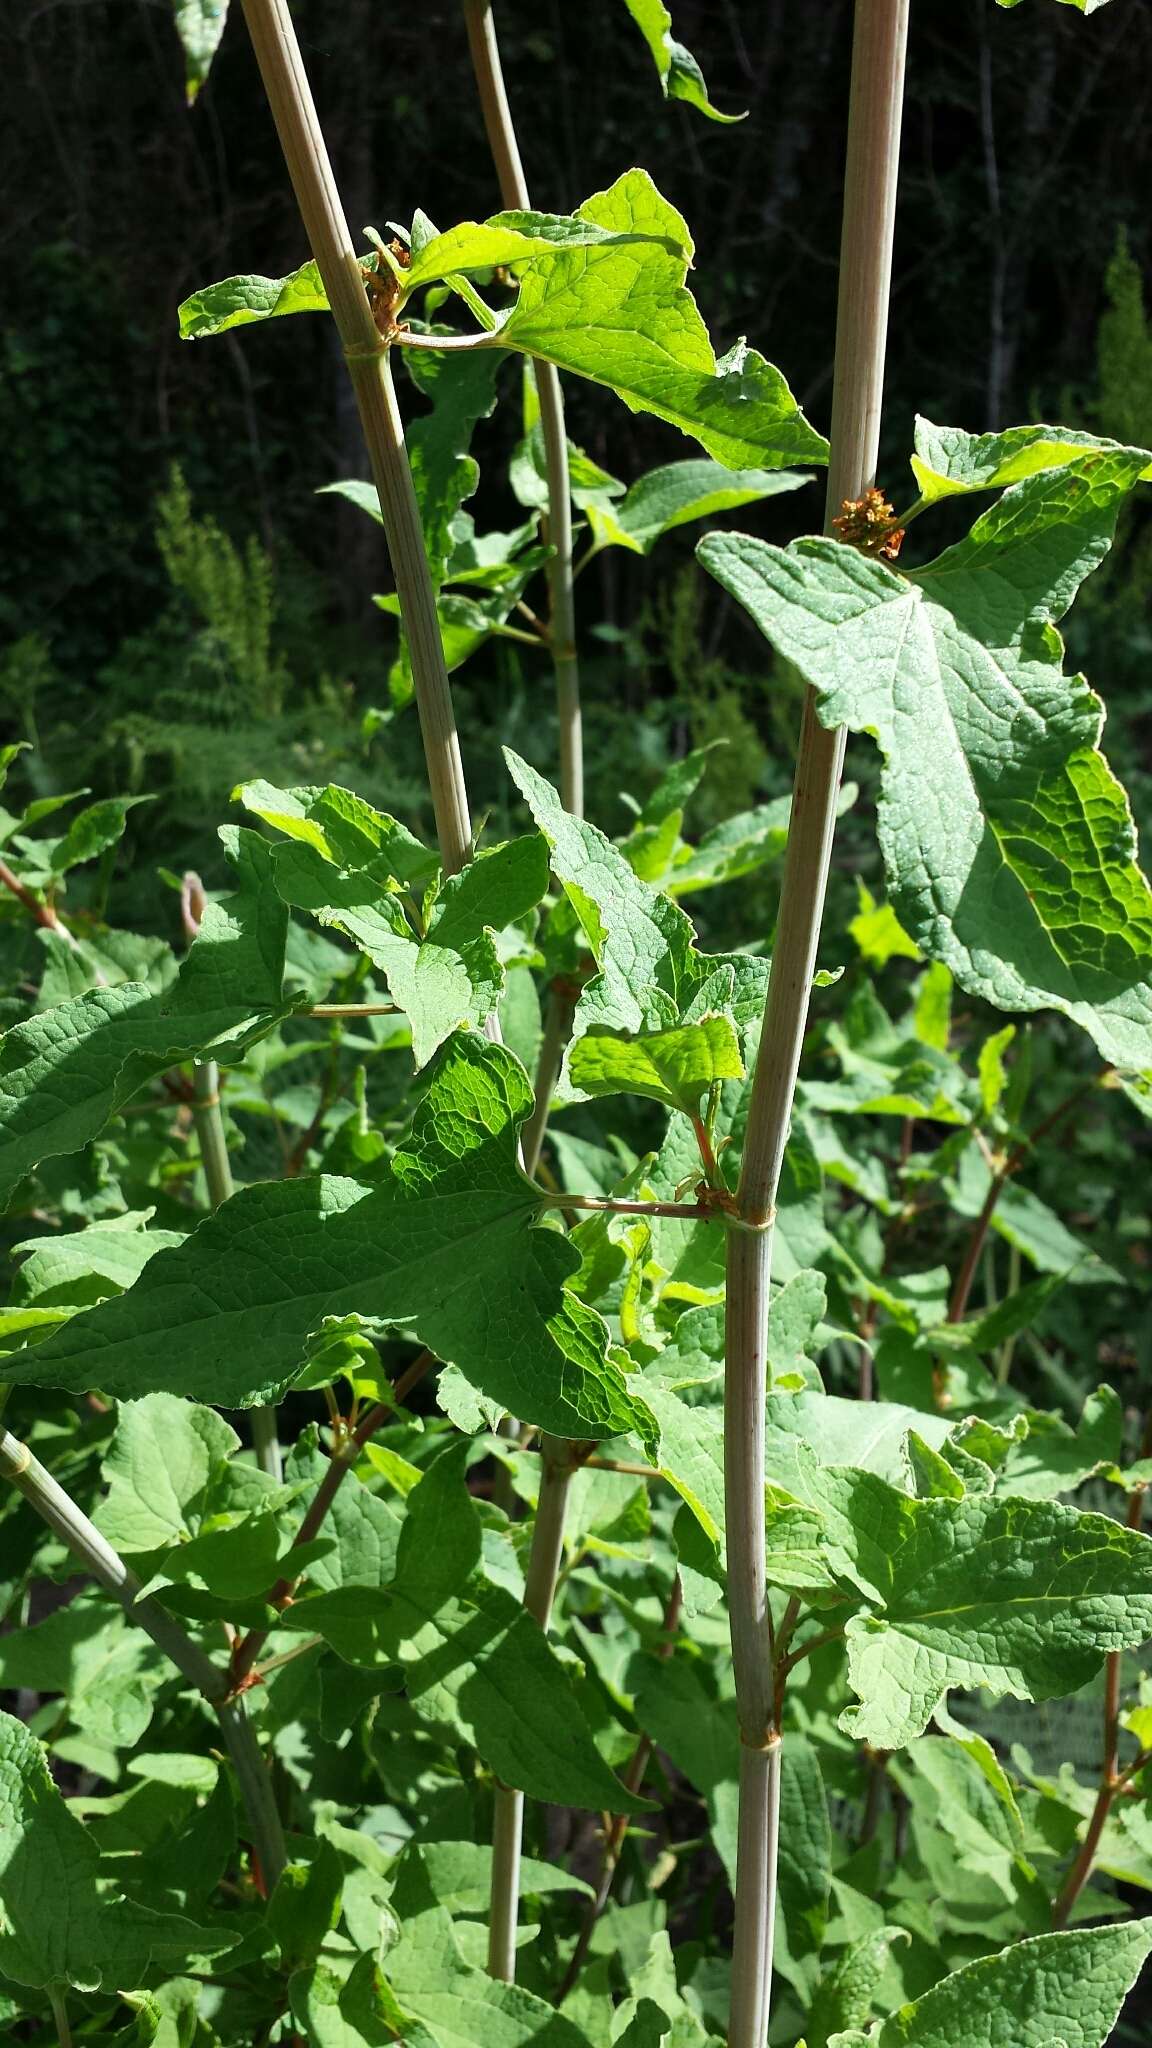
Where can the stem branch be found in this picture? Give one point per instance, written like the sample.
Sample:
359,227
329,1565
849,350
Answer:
107,1567
880,38
293,110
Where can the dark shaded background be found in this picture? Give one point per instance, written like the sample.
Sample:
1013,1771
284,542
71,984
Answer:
1027,147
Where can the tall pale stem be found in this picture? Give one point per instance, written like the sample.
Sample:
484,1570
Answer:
501,132
218,1180
540,1580
548,1529
93,1551
290,99
880,38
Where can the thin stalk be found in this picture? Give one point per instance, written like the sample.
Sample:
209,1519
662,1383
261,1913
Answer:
558,1016
1111,1780
618,1829
107,1567
339,1465
620,1205
557,1464
502,141
548,1529
964,1278
218,1176
58,2001
44,913
353,1010
293,110
870,176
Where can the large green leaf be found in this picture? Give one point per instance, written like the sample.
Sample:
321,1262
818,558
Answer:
1009,844
650,975
473,1661
948,460
680,75
443,1244
1058,1987
59,1926
351,868
65,1072
455,2004
1023,1597
619,314
601,294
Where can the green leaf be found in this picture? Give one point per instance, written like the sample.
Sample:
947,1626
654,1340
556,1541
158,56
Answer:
518,238
92,831
947,460
676,495
449,979
1022,1597
1015,864
163,1465
845,1997
81,1265
649,972
473,1661
236,301
619,314
680,75
65,1072
460,1875
461,2005
442,1244
676,1067
1066,1987
199,25
444,474
805,1855
58,1925
305,1905
105,1671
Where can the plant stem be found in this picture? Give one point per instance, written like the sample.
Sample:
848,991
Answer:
557,1031
353,1010
618,1829
218,1177
964,1278
505,149
107,1567
556,1467
43,913
59,2004
548,1529
339,1465
613,1205
290,99
880,37
1111,1779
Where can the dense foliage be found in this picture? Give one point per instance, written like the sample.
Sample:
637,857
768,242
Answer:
273,1142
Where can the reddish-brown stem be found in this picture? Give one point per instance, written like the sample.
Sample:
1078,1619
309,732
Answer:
43,913
707,1152
1002,1174
248,1648
963,1288
614,1839
1111,1780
